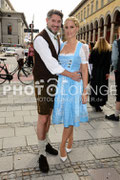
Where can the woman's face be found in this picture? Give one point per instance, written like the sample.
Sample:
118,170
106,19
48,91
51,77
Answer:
70,29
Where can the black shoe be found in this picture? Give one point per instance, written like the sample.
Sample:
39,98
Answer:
112,117
43,164
51,150
98,109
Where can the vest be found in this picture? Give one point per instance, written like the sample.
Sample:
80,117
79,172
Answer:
40,71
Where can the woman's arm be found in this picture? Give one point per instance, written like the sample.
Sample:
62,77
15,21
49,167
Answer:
84,70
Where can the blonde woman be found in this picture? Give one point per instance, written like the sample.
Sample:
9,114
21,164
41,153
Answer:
71,96
100,58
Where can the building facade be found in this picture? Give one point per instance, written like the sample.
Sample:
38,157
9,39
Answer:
97,18
12,24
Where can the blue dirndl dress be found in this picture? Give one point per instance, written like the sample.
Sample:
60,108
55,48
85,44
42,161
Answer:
68,108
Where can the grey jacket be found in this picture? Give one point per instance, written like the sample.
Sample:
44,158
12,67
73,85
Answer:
115,54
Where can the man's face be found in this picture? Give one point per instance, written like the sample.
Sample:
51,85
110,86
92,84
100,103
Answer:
54,23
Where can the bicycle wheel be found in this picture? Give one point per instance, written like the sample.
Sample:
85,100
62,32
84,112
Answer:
2,75
25,75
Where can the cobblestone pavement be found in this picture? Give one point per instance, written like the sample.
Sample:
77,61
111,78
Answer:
96,149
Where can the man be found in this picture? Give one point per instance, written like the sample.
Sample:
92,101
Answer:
20,56
46,49
115,61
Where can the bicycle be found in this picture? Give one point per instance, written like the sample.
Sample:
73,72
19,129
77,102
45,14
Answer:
24,73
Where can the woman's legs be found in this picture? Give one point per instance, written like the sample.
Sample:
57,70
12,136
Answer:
65,136
70,140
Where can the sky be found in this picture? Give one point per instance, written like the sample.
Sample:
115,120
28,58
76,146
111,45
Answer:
38,9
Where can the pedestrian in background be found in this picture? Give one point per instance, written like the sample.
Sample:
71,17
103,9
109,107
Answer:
100,58
83,41
46,50
19,52
70,101
30,55
116,66
91,46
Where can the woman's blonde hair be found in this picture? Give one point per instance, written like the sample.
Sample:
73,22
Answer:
102,45
74,19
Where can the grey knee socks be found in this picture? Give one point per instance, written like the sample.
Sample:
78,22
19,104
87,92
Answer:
42,145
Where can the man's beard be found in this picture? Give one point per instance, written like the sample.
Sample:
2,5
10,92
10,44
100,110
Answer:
51,31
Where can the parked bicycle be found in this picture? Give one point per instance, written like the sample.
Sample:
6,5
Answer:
24,73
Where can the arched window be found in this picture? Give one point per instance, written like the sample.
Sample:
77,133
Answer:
9,29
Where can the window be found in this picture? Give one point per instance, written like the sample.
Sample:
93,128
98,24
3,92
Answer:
84,13
87,10
96,5
91,7
102,3
81,15
9,29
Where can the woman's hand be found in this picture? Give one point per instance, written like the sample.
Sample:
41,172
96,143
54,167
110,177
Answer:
84,97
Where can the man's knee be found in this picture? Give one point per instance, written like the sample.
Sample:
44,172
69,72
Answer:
43,119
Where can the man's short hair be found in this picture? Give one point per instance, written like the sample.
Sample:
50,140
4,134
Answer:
54,11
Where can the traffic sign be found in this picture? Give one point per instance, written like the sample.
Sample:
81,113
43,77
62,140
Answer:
33,30
36,30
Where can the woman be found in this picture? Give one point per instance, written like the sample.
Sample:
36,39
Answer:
100,58
91,46
71,96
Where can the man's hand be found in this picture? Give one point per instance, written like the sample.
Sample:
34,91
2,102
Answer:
76,76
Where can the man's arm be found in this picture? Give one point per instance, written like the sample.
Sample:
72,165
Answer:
42,48
76,76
